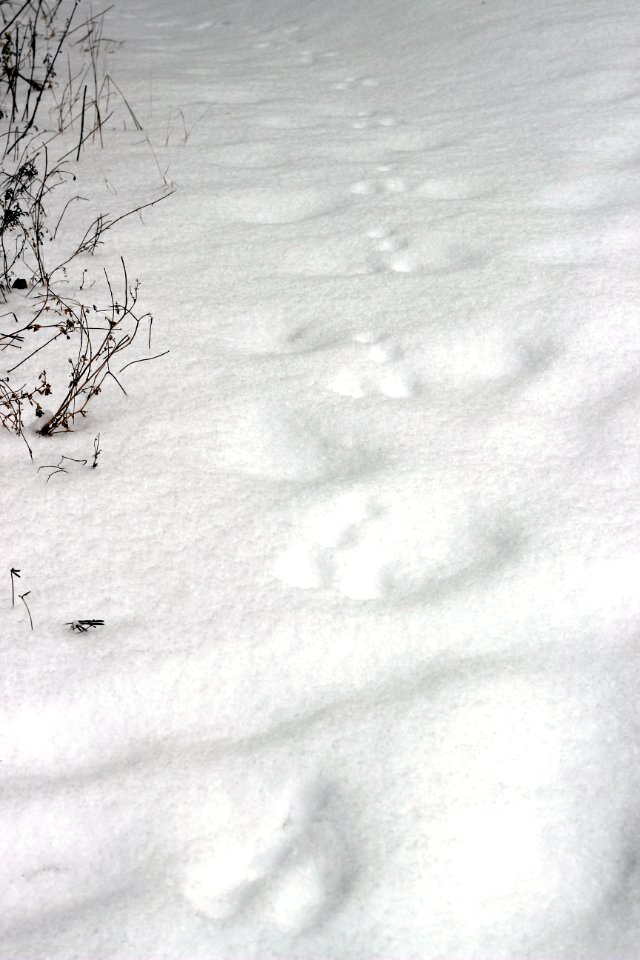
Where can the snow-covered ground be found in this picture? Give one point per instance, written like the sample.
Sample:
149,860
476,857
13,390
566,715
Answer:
364,541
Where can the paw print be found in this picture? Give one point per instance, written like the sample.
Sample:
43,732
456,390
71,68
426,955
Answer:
377,369
292,878
401,550
331,554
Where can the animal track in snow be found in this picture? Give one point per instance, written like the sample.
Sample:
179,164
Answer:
436,255
386,241
293,877
389,251
321,558
411,548
377,369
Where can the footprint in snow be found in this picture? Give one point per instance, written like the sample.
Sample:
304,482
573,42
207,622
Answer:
386,241
376,370
293,877
410,549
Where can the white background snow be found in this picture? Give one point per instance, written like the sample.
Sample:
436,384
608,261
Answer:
364,540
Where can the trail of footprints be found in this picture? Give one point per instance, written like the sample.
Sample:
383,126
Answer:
361,545
382,134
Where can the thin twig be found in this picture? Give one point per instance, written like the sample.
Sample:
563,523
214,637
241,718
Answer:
14,574
84,100
143,360
22,597
50,66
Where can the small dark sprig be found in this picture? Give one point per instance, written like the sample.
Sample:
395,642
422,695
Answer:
15,575
22,597
96,452
82,626
58,468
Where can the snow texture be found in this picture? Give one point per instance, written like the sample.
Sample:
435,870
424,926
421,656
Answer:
363,542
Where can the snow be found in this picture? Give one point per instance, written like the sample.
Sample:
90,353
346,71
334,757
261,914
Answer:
364,541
